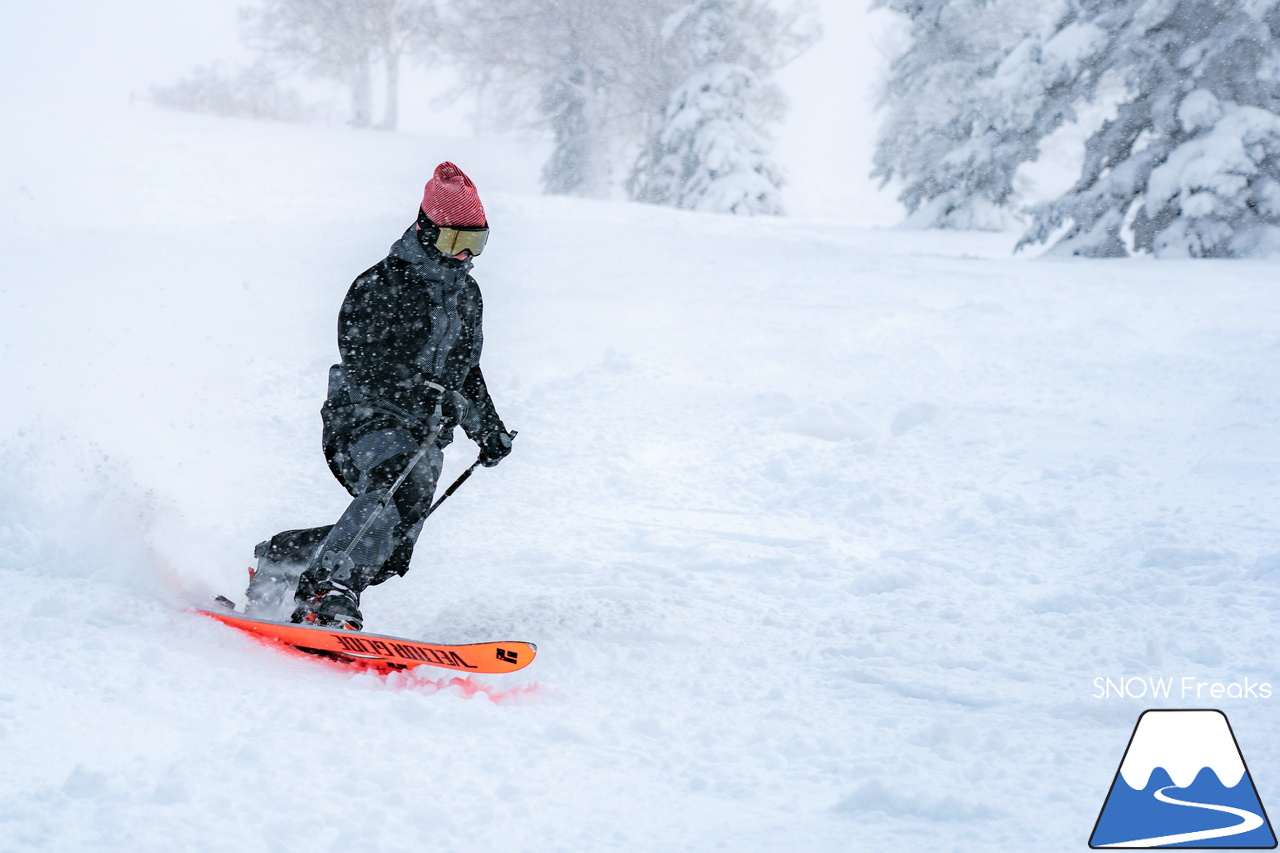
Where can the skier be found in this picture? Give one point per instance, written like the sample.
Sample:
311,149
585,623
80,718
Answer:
409,335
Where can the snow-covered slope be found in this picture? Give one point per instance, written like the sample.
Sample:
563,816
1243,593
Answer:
823,533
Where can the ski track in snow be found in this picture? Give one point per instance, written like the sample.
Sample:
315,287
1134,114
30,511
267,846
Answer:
821,547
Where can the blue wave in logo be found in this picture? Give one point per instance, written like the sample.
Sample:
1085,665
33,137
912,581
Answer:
1216,815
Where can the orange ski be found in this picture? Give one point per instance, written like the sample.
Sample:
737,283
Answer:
385,653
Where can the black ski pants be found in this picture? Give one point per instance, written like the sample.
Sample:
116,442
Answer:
310,558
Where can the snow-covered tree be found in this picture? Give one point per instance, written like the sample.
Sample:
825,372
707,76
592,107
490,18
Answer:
584,71
1188,164
1191,160
711,151
343,40
944,136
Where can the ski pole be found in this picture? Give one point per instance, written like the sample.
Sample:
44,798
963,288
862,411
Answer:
344,559
386,499
458,482
382,505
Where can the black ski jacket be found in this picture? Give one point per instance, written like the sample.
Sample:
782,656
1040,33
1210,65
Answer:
412,319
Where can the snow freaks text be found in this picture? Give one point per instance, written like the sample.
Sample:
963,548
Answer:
1186,687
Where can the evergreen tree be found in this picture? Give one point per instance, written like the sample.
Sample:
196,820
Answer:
1188,164
711,150
1192,157
943,136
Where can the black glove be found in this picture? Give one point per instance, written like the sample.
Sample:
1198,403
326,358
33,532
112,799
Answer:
494,447
458,411
425,401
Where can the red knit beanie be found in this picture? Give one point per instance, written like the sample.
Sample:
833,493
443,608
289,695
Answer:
450,198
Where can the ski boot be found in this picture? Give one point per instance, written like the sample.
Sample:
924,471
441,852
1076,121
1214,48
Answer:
281,560
330,605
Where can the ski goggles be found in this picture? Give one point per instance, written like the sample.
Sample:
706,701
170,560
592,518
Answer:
454,240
